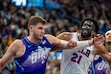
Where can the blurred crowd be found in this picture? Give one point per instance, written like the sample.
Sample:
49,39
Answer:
64,16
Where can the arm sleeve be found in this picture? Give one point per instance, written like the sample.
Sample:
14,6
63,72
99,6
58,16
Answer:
81,44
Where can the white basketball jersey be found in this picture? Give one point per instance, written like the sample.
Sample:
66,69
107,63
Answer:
76,61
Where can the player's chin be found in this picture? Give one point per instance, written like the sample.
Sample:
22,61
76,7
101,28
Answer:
41,36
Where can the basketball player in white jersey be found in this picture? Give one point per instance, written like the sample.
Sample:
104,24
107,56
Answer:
77,60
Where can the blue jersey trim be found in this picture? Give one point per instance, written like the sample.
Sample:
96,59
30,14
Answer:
19,65
33,43
93,70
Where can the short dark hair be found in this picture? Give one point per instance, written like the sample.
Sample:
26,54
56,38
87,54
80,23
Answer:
36,19
94,22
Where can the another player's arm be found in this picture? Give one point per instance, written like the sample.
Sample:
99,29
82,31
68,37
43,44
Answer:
62,44
103,52
10,53
63,36
66,36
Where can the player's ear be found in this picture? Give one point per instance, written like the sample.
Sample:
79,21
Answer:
31,27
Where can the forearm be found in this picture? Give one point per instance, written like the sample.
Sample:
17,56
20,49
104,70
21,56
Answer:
3,64
107,57
0,69
0,66
103,52
58,48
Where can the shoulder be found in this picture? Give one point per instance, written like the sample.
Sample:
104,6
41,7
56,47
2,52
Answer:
48,35
13,48
50,38
17,43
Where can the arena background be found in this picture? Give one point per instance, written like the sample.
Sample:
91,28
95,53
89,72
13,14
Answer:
61,15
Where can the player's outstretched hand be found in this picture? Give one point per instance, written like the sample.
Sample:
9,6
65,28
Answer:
99,39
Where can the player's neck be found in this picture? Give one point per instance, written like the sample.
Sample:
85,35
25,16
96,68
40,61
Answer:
33,40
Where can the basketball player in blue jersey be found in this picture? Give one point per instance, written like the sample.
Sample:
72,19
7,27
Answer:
78,60
100,65
31,52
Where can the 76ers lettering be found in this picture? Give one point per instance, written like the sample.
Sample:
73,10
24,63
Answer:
76,58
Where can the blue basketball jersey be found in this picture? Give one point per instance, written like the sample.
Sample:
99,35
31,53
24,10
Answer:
100,66
35,57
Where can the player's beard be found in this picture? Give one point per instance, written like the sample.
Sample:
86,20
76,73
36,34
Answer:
86,36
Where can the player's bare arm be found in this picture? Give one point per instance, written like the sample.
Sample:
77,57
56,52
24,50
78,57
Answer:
103,52
11,52
64,36
62,44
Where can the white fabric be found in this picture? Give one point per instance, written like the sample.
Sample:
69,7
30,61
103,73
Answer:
107,32
63,42
82,58
80,44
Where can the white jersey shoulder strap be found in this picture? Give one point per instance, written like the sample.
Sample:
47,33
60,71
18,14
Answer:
74,36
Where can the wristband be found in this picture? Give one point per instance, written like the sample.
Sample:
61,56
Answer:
82,44
63,42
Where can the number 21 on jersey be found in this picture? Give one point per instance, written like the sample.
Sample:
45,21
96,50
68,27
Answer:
76,58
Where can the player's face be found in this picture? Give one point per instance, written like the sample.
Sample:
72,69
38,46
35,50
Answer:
108,37
87,29
38,30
